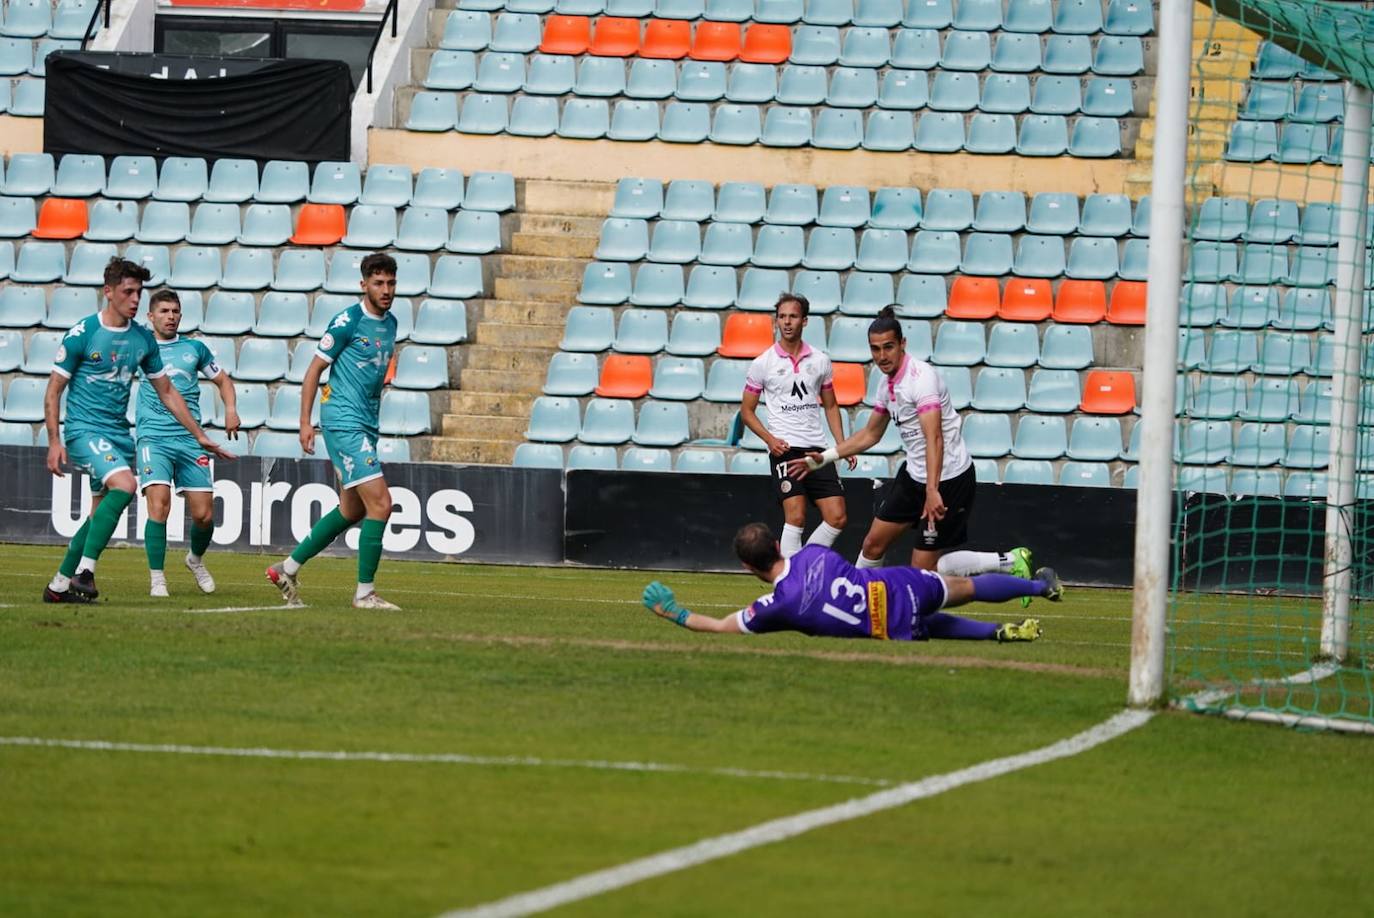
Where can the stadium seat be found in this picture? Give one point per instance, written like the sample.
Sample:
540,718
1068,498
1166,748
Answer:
1271,400
952,91
651,79
1057,95
988,436
1104,215
1085,475
1043,135
657,285
1005,93
22,307
661,424
666,39
778,247
484,113
1267,102
1000,212
266,225
752,83
1095,440
675,242
1095,137
320,224
866,293
1251,307
1028,472
213,224
1303,310
948,210
935,253
404,413
164,222
1012,344
1109,392
973,298
566,35
786,126
959,344
1127,304
792,205
1258,445
1016,54
456,277
1040,437
740,202
991,134
605,284
299,271
87,266
1320,104
131,177
593,458
623,240
283,183
1039,256
634,121
421,367
1135,260
262,360
70,305
229,313
896,209
1314,266
29,175
607,422
1221,219
1314,404
533,116
195,268
987,254
1308,448
585,119
571,374
41,352
1252,142
728,244
830,249
710,287
1080,301
1000,389
821,289
247,269
1216,262
890,131
589,329
746,335
24,401
285,414
848,340
40,262
1119,56
79,176
61,218
903,90
18,216
1026,300
695,335
1216,397
939,132
637,199
600,77
882,250
27,102
1067,54
282,315
1273,221
1108,97
386,186
451,70
1283,354
371,227
538,456
1054,392
1232,352
638,459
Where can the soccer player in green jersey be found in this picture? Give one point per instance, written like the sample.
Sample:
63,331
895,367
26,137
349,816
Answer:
96,364
356,349
167,453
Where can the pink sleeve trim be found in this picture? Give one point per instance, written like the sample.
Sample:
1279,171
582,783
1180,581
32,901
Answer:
752,387
880,409
827,385
926,407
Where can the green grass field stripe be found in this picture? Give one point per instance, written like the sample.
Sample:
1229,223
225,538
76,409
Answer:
710,849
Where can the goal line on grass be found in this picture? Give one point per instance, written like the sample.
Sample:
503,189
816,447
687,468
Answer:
710,849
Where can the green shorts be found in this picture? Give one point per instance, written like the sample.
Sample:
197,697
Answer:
178,462
354,454
99,455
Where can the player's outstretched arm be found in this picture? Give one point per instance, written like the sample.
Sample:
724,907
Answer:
659,600
858,442
52,412
229,395
309,386
832,418
174,403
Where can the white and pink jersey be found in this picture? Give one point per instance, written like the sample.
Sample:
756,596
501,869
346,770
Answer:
915,389
791,391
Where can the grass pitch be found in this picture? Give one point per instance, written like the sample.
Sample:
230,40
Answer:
541,673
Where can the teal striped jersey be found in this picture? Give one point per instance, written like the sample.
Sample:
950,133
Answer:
358,348
99,363
184,360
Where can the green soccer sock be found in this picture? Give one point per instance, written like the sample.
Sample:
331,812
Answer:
74,549
200,538
155,544
322,534
104,520
370,549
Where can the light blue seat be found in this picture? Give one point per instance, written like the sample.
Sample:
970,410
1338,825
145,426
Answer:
1201,305
1000,212
1105,215
1221,219
132,177
1129,17
329,305
959,382
1262,264
1273,221
1041,256
1070,55
79,176
891,441
589,329
441,188
585,119
685,122
286,414
740,202
1057,95
896,209
503,71
1232,352
725,380
978,15
22,307
678,9
550,74
165,222
45,262
1056,214
483,113
661,424
266,225
760,289
607,422
1108,97
729,10
948,209
404,413
954,92
785,12
1271,400
701,462
1319,223
822,291
371,226
1092,258
885,14
802,85
1306,485
1013,344
283,183
1016,54
110,221
72,18
1192,352
701,81
675,242
991,134
439,321
710,287
1028,472
1095,138
247,269
640,459
752,83
1314,266
1005,94
195,267
6,259
233,181
651,79
466,30
1216,397
1032,16
1283,354
988,436
1118,55
41,352
226,354
16,57
1253,142
882,250
680,379
778,247
866,46
300,270
999,389
1067,347
475,232
29,175
747,463
456,277
1320,104
848,341
1255,483
70,305
633,120
959,344
229,313
1078,17
1095,439
658,285
1267,102
1251,307
1308,448
1304,310
156,258
282,315
1276,63
903,90
452,70
15,434
623,240
829,12
1213,262
935,252
916,48
1040,437
830,249
637,199
24,401
694,335
554,419
600,76
786,126
1085,475
792,205
1043,135
939,132
641,331
866,293
986,471
421,367
729,244
27,102
1135,260
987,254
852,87
1314,404
262,360
301,356
889,130
970,51
571,374
815,45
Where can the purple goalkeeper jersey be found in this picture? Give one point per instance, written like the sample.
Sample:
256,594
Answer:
823,595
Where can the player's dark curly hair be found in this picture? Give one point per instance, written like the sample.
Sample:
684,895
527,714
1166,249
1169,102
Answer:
886,322
118,270
802,303
756,546
377,263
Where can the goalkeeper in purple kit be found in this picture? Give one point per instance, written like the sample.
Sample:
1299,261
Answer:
819,593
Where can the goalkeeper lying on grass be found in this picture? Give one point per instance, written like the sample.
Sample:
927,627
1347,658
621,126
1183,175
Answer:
818,593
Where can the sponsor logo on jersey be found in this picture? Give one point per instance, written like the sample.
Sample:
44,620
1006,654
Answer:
365,341
325,392
877,609
203,460
109,457
371,460
147,470
799,389
94,355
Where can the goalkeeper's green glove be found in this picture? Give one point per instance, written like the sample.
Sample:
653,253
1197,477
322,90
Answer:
656,594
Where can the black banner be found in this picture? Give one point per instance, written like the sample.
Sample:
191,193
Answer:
442,512
115,104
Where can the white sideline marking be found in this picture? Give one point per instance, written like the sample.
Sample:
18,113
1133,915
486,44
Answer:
710,849
280,607
440,758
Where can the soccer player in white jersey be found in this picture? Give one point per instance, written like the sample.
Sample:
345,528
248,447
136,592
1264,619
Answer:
936,483
796,384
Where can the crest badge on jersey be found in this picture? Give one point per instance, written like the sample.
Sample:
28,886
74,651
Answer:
327,341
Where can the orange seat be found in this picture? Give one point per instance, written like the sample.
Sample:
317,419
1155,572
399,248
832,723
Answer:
1128,303
1027,300
766,44
626,376
1081,301
716,41
615,36
747,334
61,218
973,298
849,383
320,224
666,39
1109,392
566,35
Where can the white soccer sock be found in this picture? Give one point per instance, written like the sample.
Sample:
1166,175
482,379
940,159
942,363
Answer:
193,558
363,590
969,563
87,564
791,540
158,577
867,562
291,566
825,534
59,583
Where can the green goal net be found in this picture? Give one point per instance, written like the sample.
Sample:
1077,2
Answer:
1272,604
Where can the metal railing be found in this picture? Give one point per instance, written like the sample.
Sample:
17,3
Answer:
95,13
391,11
